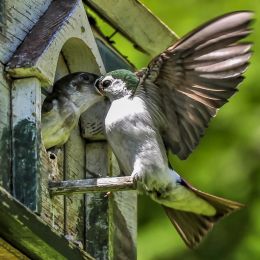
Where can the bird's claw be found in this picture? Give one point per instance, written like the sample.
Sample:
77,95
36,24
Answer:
138,182
137,179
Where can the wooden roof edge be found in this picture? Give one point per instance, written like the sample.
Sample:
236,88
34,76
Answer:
62,27
99,35
135,22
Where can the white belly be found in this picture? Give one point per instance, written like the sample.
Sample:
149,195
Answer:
134,139
122,131
123,108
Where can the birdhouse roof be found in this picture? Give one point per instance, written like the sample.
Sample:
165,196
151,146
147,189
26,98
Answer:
136,22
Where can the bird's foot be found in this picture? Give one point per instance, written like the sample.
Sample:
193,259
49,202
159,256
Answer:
136,178
138,182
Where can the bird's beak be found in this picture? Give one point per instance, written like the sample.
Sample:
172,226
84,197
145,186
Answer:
99,87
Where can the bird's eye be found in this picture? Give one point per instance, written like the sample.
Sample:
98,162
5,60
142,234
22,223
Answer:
106,83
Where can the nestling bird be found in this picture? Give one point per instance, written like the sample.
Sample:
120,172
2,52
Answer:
167,107
71,96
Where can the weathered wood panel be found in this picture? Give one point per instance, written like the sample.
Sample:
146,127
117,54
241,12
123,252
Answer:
74,204
52,209
5,133
97,210
81,186
8,252
26,117
123,221
61,69
123,225
122,15
2,16
20,17
53,168
31,235
62,26
111,219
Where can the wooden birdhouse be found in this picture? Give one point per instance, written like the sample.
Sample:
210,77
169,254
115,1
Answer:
40,42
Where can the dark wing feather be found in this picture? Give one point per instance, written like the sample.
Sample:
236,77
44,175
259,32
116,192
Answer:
186,84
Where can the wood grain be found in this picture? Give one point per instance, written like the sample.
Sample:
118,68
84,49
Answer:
91,185
133,20
53,167
8,252
75,204
20,17
5,132
21,227
63,26
26,139
123,219
97,211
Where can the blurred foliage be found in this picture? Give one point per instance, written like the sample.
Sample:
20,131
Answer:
227,161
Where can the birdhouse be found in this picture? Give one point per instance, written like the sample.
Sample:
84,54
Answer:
42,41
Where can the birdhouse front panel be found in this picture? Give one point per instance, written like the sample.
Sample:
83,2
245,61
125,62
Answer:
56,40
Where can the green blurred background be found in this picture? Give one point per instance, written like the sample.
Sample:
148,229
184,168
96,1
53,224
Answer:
227,161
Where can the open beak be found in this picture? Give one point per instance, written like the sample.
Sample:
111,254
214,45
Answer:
98,86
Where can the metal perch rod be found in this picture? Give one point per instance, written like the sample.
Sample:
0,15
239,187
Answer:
91,185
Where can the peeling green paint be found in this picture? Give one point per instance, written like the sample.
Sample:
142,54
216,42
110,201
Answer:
5,159
97,225
26,142
30,71
31,235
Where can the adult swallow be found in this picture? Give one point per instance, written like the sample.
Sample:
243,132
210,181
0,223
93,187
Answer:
167,106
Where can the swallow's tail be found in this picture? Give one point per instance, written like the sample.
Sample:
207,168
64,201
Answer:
193,227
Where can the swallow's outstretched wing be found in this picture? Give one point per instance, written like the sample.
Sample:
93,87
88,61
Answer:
186,84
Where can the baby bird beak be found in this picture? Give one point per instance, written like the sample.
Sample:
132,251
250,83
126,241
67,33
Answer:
98,86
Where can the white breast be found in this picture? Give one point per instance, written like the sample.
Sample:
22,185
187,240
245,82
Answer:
136,142
126,124
125,108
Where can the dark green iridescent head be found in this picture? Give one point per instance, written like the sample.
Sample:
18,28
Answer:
126,76
117,84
